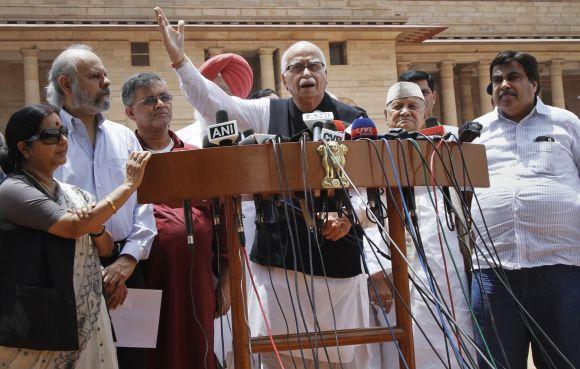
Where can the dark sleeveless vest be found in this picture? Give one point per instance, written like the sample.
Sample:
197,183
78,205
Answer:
274,241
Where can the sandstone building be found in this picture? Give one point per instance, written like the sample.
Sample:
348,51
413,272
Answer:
367,43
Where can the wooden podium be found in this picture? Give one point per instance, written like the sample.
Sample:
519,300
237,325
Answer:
229,172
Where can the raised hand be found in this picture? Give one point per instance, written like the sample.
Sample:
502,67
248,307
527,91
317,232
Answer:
172,39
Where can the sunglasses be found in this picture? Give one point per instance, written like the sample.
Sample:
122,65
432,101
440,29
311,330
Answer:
152,100
298,68
50,136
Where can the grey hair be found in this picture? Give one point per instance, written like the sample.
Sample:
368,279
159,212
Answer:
136,81
64,64
298,45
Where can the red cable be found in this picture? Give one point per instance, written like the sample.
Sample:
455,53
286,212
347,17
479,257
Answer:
262,308
434,186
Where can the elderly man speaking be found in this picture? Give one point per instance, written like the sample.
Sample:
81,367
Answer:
336,265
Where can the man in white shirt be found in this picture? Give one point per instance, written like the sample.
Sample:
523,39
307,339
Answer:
530,239
98,150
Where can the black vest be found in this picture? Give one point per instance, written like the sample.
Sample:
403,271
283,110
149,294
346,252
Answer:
37,301
274,239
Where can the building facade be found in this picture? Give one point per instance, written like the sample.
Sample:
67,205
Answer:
367,44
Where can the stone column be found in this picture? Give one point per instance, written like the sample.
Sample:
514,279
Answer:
484,98
213,51
31,83
448,93
267,67
403,67
466,97
557,83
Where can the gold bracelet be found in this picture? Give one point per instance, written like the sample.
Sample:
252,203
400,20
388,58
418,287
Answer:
111,204
180,63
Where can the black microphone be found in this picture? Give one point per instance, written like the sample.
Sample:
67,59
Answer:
205,143
247,133
431,122
221,116
469,131
224,132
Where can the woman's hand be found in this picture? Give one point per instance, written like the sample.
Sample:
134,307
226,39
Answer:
136,168
172,39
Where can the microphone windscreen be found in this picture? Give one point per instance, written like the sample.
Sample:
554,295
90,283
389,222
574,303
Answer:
339,125
363,128
329,125
221,116
437,130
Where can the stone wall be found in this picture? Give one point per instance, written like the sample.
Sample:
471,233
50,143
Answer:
464,18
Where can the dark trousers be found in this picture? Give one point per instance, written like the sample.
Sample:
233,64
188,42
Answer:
129,358
550,294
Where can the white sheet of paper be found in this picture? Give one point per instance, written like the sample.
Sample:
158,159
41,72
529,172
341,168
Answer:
136,321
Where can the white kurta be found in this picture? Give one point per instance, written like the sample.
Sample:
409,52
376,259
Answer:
458,292
348,295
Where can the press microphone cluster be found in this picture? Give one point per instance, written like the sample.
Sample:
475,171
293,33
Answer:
315,122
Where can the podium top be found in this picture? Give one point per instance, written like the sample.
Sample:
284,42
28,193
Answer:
236,170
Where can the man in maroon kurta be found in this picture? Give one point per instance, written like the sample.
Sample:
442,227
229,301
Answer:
188,307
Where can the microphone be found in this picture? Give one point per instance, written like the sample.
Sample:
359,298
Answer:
340,126
431,122
224,132
315,120
469,131
331,133
363,128
257,139
205,143
247,133
441,131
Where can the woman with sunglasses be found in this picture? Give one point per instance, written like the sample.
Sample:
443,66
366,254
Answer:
52,311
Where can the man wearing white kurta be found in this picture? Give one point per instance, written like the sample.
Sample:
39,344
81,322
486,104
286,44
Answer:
405,109
304,75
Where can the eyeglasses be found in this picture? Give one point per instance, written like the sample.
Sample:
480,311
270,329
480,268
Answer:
152,100
50,136
298,68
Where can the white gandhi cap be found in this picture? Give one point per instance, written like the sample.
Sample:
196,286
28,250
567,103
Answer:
401,90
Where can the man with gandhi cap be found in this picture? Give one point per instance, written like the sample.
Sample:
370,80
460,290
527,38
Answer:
405,107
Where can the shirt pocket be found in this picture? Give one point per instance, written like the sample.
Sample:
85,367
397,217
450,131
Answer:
539,157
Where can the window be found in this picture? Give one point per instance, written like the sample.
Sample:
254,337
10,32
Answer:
140,54
338,53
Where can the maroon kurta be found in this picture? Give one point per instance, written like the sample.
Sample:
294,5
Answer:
184,337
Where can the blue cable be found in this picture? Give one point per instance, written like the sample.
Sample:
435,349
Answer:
421,258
